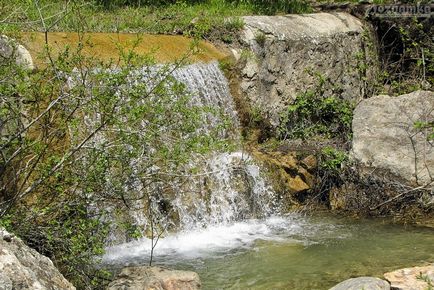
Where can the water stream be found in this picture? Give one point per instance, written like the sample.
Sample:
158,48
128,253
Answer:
286,252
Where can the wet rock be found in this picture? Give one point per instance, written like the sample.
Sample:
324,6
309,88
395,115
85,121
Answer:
23,268
10,48
289,174
386,140
362,283
283,49
416,278
156,278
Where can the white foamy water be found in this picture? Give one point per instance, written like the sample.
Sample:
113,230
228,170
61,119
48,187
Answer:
219,240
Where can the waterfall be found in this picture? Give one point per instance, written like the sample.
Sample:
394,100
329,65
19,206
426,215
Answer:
209,87
235,190
217,189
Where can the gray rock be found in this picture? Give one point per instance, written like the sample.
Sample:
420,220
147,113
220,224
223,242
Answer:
362,283
156,278
385,140
23,268
10,48
282,50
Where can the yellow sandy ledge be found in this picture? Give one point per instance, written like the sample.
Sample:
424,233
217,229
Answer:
105,46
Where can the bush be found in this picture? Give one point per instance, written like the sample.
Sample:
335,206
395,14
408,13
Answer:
78,135
312,114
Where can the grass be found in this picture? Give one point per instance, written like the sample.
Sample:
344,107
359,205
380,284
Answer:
201,18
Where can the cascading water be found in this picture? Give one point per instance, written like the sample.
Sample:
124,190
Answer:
214,190
235,190
209,88
226,203
230,186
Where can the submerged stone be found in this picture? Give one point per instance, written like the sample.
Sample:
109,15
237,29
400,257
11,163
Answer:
104,46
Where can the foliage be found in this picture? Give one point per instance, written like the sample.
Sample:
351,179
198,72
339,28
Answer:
332,159
311,114
207,18
427,280
260,38
276,6
81,139
407,54
426,126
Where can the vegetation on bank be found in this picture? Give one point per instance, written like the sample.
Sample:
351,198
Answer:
216,19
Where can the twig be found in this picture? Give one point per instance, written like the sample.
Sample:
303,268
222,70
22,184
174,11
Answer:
398,196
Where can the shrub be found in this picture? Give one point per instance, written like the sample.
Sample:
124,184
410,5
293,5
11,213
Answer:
311,114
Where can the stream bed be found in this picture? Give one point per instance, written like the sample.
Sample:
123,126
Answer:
285,252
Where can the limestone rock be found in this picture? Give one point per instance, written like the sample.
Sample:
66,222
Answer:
310,162
156,278
385,138
10,48
291,177
416,278
284,48
362,283
23,268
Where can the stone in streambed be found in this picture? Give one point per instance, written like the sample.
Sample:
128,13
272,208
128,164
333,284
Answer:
155,278
416,278
362,283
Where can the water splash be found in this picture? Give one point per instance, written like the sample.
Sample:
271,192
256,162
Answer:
223,239
233,190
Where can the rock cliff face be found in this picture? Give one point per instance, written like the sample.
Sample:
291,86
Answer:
387,139
287,54
23,268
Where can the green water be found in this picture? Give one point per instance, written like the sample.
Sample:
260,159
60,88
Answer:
302,253
369,248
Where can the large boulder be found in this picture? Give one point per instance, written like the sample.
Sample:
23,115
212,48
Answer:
155,278
362,283
386,141
9,48
23,268
288,53
416,278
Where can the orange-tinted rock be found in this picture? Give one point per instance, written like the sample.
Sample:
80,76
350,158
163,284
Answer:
416,278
